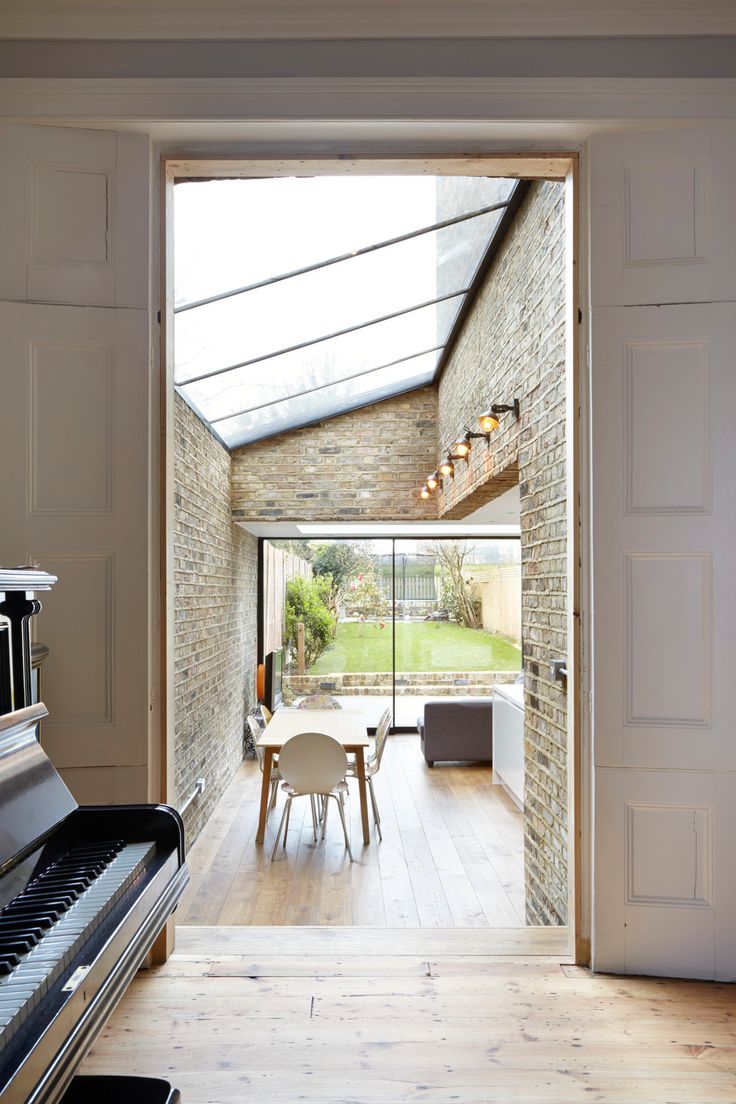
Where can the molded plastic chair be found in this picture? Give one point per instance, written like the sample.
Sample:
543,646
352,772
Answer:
266,714
313,764
256,732
373,764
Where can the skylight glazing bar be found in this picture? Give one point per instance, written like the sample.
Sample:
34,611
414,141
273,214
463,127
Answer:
322,386
342,257
326,337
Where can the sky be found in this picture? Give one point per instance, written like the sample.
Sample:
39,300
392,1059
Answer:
231,233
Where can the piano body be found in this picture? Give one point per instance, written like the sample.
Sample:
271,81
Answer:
84,892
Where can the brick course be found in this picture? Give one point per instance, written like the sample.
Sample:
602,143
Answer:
365,465
215,626
513,346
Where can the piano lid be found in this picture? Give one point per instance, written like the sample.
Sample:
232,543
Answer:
33,797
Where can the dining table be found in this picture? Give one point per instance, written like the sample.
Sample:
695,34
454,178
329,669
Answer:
346,726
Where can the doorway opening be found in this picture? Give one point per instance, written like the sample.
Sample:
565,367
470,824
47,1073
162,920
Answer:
313,388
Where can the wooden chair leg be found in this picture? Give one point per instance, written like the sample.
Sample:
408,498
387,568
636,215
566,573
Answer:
274,794
288,818
313,803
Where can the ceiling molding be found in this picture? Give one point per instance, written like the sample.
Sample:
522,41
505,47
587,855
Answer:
254,19
339,98
662,57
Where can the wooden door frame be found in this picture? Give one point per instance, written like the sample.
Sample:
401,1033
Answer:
563,165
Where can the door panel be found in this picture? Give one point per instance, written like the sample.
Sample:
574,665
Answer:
77,507
74,424
657,229
74,216
664,606
663,347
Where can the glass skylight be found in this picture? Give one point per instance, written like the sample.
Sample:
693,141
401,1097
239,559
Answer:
274,347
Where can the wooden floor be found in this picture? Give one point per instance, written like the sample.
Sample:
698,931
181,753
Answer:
451,856
342,1016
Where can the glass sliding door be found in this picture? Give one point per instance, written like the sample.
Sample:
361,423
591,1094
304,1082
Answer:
457,615
374,624
337,626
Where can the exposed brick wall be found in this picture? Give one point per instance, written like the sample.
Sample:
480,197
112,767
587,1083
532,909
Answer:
368,464
513,346
215,635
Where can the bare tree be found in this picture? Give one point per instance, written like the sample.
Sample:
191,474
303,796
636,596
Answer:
458,586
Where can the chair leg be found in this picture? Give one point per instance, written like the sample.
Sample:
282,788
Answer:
274,793
376,814
344,827
281,825
288,818
313,803
324,814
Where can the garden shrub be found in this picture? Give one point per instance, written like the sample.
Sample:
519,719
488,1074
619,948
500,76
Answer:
308,601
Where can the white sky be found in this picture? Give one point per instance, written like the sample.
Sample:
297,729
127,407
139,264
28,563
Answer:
229,233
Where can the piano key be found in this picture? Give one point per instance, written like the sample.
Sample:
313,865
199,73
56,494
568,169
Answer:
28,983
42,916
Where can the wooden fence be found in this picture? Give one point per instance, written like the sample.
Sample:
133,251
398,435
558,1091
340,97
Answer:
279,567
499,587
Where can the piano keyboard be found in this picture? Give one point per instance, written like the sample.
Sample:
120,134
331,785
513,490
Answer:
44,927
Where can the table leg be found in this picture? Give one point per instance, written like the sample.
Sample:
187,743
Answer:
360,772
265,788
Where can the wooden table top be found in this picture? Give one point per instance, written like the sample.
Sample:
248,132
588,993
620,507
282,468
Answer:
347,727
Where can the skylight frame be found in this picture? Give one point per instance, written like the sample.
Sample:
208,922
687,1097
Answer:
467,295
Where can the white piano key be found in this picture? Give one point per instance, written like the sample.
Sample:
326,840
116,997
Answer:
44,964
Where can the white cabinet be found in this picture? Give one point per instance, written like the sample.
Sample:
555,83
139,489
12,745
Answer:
508,740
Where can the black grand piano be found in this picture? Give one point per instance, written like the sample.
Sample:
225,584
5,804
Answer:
84,891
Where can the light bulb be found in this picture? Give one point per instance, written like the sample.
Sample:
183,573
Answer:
488,422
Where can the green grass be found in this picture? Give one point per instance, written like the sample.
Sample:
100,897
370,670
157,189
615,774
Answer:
363,647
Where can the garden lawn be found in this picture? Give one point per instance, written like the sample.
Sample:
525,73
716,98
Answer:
364,647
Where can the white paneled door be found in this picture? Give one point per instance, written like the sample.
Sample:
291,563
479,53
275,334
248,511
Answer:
663,378
74,497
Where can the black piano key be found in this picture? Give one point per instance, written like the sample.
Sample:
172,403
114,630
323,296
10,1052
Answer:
93,869
36,913
62,882
37,900
42,919
15,946
26,935
92,848
19,927
37,895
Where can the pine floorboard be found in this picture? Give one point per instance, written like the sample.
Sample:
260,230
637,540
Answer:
289,1020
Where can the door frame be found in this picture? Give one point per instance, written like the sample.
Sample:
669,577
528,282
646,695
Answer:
561,165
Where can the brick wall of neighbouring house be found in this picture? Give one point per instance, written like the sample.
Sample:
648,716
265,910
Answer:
513,346
215,624
368,464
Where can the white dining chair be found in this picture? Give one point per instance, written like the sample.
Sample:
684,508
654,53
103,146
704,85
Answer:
373,764
313,765
256,732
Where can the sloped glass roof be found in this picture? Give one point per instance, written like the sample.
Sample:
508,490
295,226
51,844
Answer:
298,298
